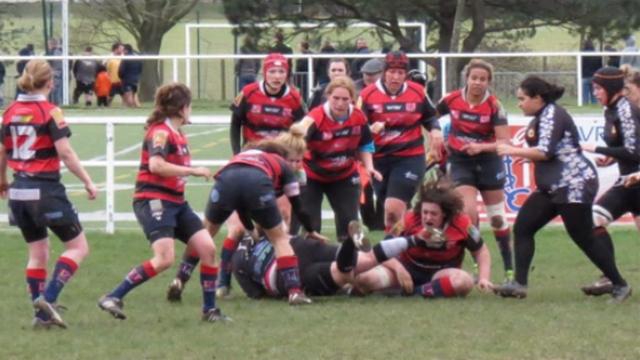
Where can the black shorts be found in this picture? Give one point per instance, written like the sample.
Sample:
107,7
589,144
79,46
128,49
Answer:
314,262
84,88
35,205
482,172
162,219
116,89
420,275
129,87
401,177
619,200
245,189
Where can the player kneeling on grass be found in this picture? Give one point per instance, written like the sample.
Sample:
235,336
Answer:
160,206
34,139
426,260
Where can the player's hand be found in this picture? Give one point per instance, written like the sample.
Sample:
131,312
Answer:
377,127
404,279
632,179
588,147
472,149
604,161
484,285
92,191
375,174
202,172
505,149
436,141
319,237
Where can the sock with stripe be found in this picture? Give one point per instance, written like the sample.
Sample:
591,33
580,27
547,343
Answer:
229,247
135,277
440,287
64,270
287,268
208,276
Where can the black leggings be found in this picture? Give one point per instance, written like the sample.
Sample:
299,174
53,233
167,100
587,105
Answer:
343,195
537,211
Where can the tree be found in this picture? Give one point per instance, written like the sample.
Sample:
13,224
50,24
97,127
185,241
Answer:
147,21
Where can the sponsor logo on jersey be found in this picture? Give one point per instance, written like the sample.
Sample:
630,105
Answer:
272,110
394,107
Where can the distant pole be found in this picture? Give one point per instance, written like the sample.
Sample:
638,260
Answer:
44,24
50,19
198,50
65,51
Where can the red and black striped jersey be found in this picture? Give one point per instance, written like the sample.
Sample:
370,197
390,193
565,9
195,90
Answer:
402,114
282,176
460,234
332,146
471,123
263,116
162,140
30,127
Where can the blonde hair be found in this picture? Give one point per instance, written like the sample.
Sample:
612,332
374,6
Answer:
341,82
294,141
35,76
631,74
478,64
170,101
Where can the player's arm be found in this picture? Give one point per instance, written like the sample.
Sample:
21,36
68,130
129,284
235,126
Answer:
158,145
480,253
72,162
238,116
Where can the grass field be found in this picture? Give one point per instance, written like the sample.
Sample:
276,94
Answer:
555,322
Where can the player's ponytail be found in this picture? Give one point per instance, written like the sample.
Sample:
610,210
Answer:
35,76
170,102
293,141
534,86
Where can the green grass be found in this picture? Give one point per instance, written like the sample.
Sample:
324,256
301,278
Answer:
555,322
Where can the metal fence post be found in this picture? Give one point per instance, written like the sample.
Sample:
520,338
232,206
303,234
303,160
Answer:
110,178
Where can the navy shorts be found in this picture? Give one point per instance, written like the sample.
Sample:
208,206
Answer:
116,89
420,275
619,200
246,189
401,177
482,172
166,219
35,205
129,87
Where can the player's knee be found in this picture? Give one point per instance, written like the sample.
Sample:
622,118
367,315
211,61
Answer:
601,216
462,283
497,216
163,260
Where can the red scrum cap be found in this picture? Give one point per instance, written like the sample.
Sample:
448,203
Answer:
396,60
275,60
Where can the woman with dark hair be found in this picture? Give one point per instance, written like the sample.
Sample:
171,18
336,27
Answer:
622,139
160,207
337,67
441,232
566,185
478,125
34,139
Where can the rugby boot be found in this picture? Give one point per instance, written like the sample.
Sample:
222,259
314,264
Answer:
41,304
223,292
619,293
174,291
356,233
39,323
600,287
215,315
511,289
113,306
298,298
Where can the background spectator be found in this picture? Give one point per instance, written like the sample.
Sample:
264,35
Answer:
371,72
54,49
612,60
282,48
85,73
321,65
302,69
129,72
25,51
102,86
590,64
113,68
3,72
630,46
356,64
247,69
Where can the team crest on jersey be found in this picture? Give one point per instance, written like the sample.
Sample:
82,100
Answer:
286,112
256,109
327,135
376,108
410,107
56,114
160,138
531,133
